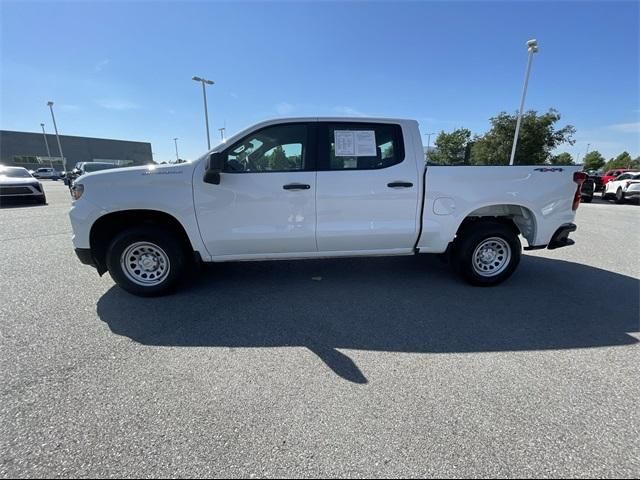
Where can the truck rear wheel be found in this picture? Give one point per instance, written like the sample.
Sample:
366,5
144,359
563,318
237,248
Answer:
146,261
487,253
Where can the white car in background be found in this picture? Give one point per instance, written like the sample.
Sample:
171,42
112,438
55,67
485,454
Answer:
16,183
46,172
624,187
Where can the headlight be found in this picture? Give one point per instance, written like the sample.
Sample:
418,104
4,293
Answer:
77,190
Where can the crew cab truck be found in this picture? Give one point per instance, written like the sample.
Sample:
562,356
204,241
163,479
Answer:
305,188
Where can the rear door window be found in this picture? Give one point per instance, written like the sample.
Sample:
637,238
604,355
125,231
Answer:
360,146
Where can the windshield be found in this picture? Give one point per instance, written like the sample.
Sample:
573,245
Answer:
15,173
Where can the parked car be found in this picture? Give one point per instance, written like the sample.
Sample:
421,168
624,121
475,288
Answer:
318,188
587,189
46,172
619,188
632,192
16,183
86,167
612,174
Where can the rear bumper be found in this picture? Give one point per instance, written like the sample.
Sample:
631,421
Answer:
561,237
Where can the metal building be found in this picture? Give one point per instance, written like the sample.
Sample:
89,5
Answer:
28,149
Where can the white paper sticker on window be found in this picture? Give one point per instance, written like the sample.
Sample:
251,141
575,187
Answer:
355,143
345,143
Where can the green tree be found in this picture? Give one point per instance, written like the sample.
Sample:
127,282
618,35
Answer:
594,160
621,161
278,159
562,159
450,147
538,137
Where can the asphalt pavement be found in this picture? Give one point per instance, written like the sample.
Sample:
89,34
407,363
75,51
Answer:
380,367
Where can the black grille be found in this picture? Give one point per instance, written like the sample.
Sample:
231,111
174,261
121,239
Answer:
15,190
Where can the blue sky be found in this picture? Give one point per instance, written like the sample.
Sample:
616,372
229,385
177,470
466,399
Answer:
123,70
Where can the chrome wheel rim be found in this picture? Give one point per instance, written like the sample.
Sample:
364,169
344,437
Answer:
145,264
491,257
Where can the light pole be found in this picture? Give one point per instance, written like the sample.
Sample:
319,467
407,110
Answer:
532,47
47,145
429,142
221,130
55,127
175,140
204,82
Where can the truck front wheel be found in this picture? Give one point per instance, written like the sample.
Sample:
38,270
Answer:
487,253
146,261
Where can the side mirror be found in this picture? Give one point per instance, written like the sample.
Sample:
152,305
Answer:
214,167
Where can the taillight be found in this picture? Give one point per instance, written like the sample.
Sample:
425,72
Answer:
579,178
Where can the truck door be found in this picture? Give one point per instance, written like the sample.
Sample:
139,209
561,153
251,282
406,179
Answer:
368,184
266,201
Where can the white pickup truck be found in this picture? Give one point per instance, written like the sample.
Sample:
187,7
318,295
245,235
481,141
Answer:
305,188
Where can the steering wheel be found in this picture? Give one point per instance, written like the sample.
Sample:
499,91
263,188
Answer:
235,166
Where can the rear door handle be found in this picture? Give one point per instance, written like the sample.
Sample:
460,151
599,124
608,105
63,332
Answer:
400,185
296,186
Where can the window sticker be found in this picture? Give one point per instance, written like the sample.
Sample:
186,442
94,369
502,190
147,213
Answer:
355,143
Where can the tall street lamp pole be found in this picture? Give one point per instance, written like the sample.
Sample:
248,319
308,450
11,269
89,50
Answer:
55,127
532,47
585,154
204,82
46,145
429,142
221,130
175,140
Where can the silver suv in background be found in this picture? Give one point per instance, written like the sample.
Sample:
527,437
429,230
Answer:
86,167
46,172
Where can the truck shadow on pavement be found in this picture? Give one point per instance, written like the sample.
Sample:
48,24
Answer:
401,304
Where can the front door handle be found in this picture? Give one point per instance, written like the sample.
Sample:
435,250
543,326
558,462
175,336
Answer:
296,186
400,185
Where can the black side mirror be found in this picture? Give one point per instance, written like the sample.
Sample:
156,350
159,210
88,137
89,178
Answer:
214,167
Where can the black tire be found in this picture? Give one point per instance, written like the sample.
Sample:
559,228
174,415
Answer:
619,195
168,244
471,238
587,199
